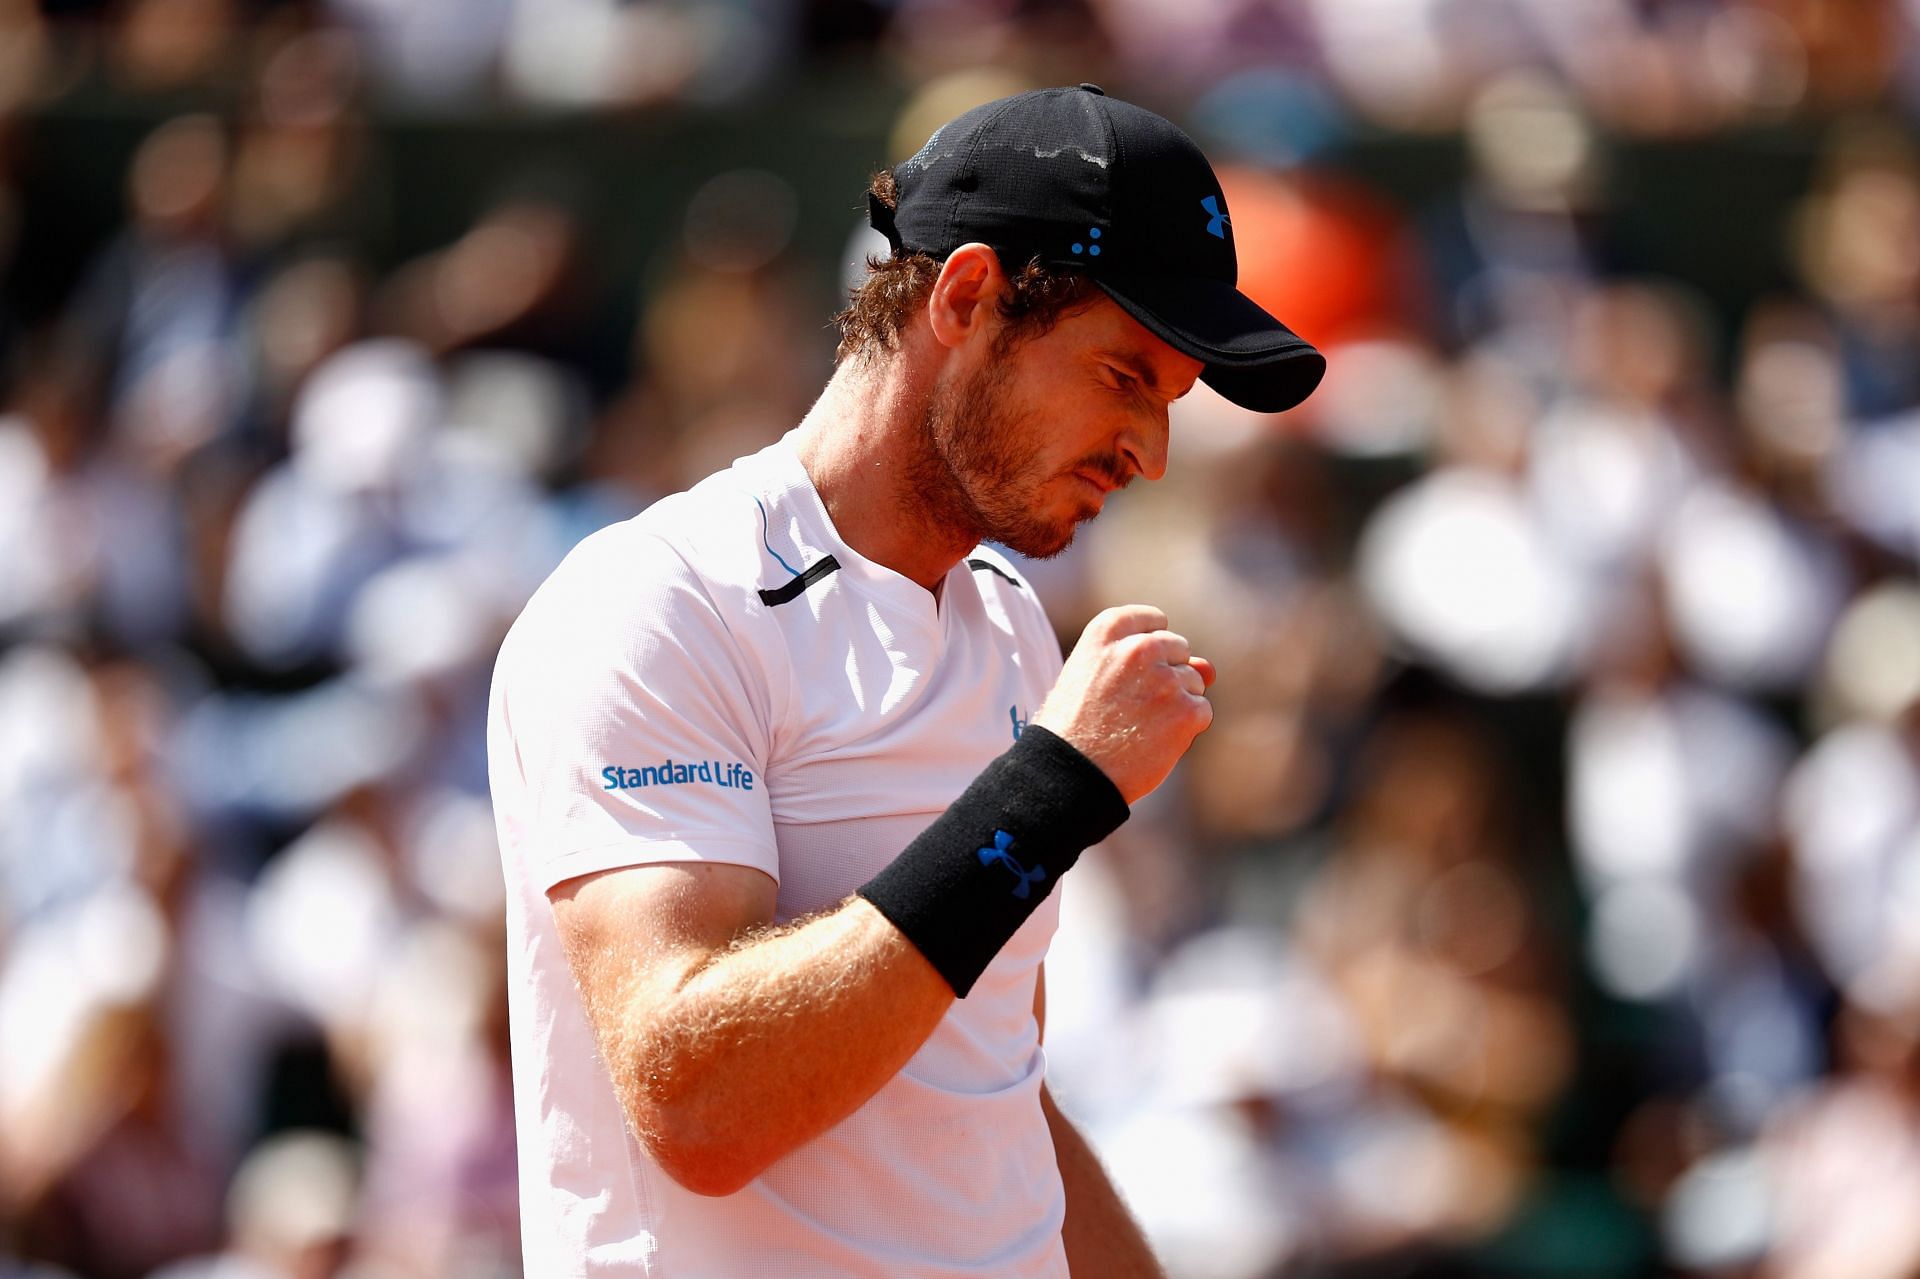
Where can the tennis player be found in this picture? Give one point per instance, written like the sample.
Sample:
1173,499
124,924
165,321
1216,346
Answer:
787,769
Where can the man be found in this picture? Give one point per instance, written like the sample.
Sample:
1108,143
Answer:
787,768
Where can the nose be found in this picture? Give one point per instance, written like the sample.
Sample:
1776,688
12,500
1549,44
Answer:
1144,443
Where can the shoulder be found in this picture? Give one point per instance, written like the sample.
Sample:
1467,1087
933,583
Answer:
698,552
627,630
625,579
665,578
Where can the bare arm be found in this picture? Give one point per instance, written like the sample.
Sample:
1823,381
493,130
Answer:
731,1042
1101,1237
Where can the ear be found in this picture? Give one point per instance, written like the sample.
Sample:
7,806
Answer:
964,297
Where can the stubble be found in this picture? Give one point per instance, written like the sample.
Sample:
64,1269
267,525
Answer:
976,473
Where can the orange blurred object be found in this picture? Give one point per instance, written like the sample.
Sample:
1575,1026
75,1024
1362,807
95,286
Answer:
1318,252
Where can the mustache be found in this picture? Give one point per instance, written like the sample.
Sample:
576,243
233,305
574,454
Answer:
1113,470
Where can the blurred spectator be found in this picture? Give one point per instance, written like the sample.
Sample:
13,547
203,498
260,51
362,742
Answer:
516,279
316,528
90,538
289,1214
1859,251
113,1186
299,153
159,307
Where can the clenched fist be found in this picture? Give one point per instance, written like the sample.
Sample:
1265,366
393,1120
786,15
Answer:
1132,697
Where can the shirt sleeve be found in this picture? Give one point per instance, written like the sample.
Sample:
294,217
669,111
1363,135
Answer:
627,726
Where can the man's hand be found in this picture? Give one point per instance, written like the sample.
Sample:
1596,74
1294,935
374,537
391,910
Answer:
1132,697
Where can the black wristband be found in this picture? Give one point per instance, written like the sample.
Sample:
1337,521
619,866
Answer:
970,880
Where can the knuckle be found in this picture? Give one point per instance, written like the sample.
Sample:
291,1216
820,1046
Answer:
1143,652
1137,617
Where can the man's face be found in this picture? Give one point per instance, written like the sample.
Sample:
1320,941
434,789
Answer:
1026,443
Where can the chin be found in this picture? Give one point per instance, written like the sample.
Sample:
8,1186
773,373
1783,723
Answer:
1042,543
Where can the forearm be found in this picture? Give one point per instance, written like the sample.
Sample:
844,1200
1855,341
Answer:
747,1053
1102,1239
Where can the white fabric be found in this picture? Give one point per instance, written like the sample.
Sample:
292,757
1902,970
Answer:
822,734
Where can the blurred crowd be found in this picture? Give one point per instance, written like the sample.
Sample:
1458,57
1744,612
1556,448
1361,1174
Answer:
1545,899
1654,66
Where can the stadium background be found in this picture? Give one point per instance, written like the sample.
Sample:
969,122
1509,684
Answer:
1544,901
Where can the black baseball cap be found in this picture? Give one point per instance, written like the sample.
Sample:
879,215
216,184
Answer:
1075,178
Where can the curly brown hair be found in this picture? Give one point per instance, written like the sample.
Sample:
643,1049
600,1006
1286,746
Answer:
895,288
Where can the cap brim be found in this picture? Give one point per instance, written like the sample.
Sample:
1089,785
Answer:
1251,358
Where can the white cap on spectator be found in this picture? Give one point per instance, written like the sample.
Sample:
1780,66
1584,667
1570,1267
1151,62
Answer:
365,414
295,1190
1235,1016
1872,668
529,410
420,619
1751,597
1459,570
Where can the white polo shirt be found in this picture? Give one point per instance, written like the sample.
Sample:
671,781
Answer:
723,679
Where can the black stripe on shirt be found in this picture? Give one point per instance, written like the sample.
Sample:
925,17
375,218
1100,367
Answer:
996,570
800,582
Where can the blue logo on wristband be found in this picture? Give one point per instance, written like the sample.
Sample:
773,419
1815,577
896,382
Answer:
1002,852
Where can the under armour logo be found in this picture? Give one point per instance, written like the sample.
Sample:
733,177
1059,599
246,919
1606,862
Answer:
1001,852
1216,225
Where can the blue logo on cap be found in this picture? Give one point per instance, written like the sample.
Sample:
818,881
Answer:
1093,233
1216,225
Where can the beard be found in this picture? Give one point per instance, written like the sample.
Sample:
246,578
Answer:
979,470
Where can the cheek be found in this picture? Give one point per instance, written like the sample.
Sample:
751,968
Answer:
1030,425
1054,418
1033,395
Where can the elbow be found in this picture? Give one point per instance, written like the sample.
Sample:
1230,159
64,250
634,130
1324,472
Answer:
707,1167
702,1134
711,1178
708,1154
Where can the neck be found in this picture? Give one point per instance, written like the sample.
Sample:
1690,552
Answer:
864,446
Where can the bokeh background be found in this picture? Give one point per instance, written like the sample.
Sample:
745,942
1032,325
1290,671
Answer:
1545,900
